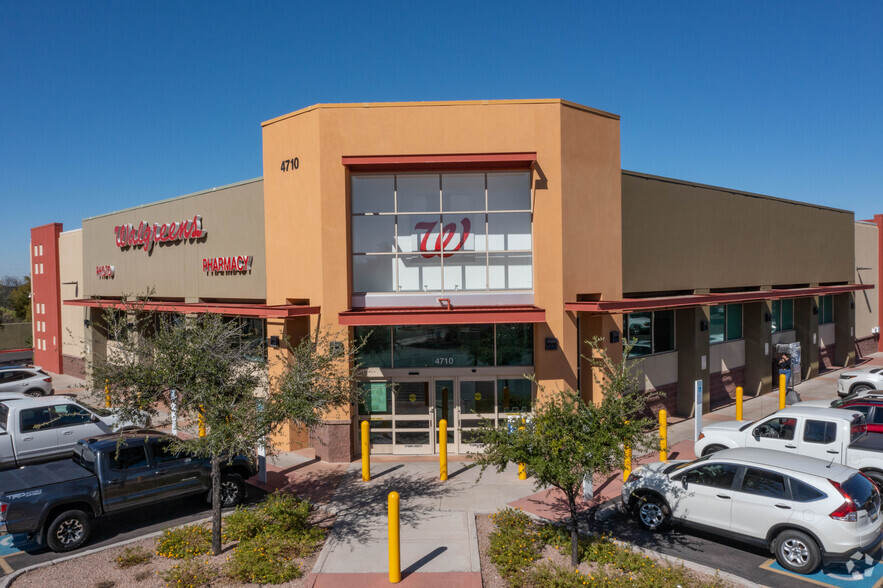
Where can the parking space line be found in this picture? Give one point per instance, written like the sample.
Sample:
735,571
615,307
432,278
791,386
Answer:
7,569
865,583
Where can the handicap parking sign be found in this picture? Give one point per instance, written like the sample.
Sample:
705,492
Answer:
861,571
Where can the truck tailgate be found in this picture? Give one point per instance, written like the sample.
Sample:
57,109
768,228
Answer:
42,474
869,442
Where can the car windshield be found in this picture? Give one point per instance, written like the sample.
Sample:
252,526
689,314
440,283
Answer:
99,411
679,466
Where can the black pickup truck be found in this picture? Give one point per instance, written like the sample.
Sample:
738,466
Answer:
55,502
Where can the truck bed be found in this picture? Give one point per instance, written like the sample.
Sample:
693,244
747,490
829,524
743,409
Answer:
868,442
43,474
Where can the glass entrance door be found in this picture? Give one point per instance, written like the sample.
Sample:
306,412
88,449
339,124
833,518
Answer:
477,400
446,408
413,418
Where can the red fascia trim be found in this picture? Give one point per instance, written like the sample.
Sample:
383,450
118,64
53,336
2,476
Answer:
16,350
638,304
467,161
230,309
463,315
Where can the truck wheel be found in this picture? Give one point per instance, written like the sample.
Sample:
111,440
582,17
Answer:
797,552
712,449
232,489
68,531
860,389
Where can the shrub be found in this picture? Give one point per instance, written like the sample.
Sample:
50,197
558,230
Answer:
266,559
244,523
133,556
550,575
515,545
193,573
184,542
282,513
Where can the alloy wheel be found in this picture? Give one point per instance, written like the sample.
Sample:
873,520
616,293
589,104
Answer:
69,532
796,552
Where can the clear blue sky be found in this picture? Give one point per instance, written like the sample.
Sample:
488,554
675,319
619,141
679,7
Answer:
106,105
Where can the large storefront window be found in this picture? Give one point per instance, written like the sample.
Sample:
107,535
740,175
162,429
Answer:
826,309
252,337
445,345
726,323
650,332
783,315
457,232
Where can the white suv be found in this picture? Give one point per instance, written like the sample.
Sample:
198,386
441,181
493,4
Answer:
805,510
859,381
27,379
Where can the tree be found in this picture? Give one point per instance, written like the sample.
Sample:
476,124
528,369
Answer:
15,294
222,378
566,439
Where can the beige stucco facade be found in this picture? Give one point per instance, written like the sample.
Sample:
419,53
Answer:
867,271
73,332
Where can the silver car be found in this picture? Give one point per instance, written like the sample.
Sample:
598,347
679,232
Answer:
26,379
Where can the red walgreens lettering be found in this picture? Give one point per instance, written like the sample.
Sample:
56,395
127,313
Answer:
448,233
234,263
147,234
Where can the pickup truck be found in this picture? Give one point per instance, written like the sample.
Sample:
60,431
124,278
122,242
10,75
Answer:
41,429
833,434
56,502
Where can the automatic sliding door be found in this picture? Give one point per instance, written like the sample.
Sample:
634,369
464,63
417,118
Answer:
477,401
445,402
413,418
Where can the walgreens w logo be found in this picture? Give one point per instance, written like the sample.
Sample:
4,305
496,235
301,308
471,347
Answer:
443,238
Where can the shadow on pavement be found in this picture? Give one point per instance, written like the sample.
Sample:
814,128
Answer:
423,561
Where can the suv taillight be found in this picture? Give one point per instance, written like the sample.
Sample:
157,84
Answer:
3,507
847,510
47,379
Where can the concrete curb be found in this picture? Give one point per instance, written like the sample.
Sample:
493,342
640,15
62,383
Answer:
472,538
8,579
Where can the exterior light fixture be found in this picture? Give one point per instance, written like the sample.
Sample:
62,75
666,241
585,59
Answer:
86,323
767,317
614,336
274,341
815,310
703,325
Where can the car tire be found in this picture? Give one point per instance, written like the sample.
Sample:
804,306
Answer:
232,490
68,531
797,552
860,388
651,512
35,392
712,449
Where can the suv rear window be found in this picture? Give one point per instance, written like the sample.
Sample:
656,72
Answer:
861,490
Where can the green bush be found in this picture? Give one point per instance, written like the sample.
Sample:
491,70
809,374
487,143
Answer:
193,573
184,542
132,556
282,513
550,575
515,545
244,523
266,559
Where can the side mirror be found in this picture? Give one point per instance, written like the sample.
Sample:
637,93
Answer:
684,482
94,418
756,433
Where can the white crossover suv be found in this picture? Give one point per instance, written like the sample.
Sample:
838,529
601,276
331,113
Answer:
26,379
859,381
805,510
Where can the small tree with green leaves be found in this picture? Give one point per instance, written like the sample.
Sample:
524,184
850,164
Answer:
566,439
220,376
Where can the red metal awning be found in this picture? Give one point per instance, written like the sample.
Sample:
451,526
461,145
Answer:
226,308
642,304
460,315
465,161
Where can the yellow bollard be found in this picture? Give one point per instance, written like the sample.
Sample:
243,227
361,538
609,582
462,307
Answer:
663,435
395,553
106,393
739,403
627,466
366,448
522,468
782,383
201,420
443,449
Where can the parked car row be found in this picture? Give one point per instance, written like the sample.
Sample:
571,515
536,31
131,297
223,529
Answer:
27,379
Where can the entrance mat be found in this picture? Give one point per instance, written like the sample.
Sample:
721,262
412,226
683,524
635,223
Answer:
862,572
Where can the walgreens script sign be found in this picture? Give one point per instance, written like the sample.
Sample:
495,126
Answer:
433,239
146,234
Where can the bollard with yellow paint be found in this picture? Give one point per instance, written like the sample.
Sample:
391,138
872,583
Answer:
739,403
366,448
782,384
395,553
627,465
201,420
106,393
443,449
663,435
522,468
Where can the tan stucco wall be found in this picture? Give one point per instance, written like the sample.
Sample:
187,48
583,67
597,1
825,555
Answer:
233,217
867,312
70,246
576,199
685,237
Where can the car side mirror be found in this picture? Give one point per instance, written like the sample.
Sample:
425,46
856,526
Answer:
94,418
756,433
684,481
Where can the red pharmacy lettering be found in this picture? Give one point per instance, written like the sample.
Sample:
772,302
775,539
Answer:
447,233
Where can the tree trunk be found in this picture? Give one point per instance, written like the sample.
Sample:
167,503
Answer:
574,532
216,505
